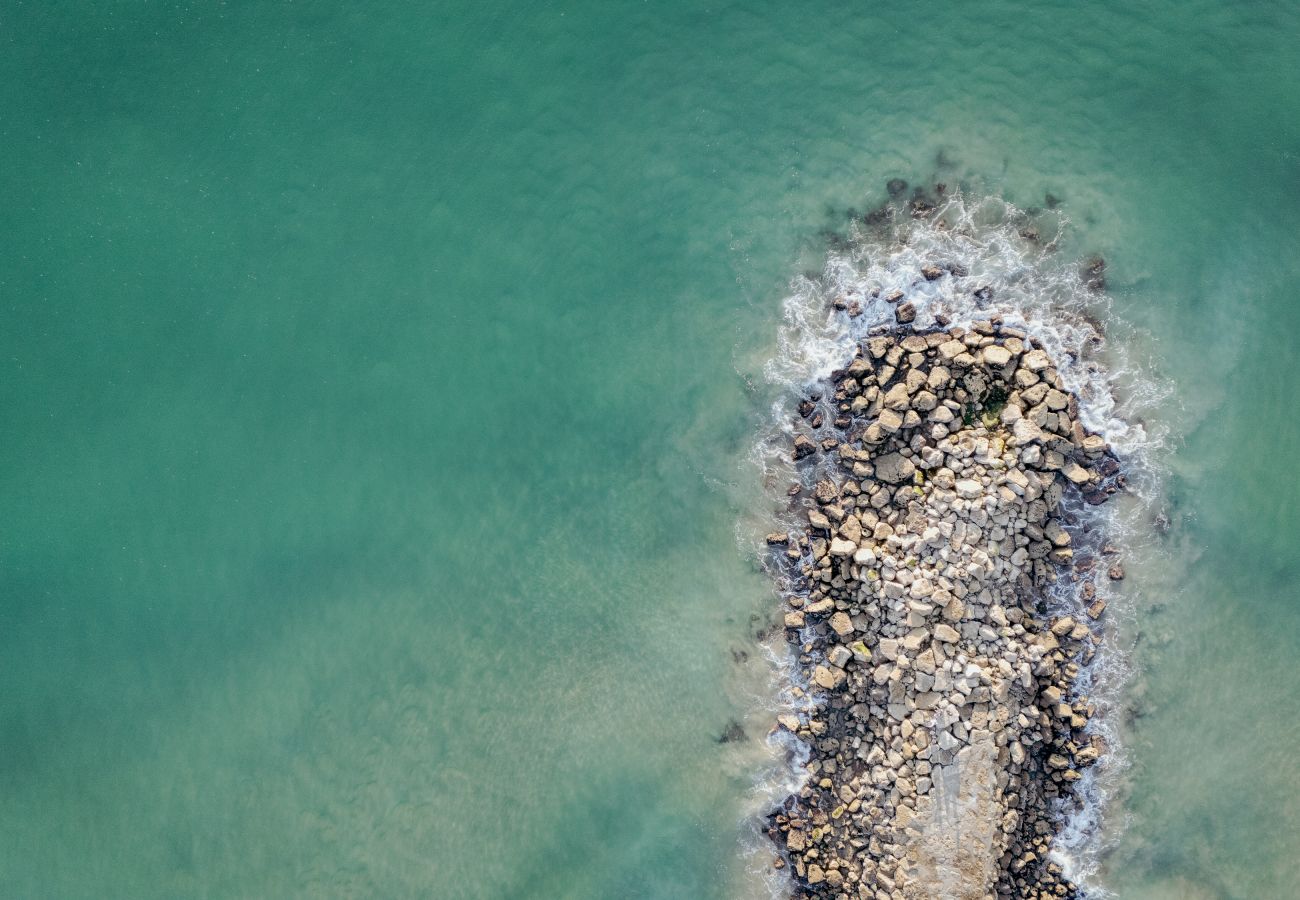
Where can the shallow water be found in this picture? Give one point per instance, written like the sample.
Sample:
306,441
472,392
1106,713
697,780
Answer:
379,385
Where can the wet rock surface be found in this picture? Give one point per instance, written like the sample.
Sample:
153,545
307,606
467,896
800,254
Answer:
947,735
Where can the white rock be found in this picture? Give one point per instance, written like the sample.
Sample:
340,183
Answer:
841,547
1036,360
1026,432
951,349
996,356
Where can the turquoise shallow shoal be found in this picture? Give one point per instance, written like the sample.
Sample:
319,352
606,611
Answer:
376,383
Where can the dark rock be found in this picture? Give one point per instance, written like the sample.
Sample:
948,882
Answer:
803,446
826,491
906,313
879,216
896,187
733,732
1094,275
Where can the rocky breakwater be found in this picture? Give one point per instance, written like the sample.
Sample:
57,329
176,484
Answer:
947,736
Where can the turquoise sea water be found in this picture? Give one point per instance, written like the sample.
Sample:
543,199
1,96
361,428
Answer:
378,383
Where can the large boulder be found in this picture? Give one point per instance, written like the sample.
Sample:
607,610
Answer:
894,469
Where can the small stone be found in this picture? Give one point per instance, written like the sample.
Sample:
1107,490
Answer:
954,610
946,633
905,313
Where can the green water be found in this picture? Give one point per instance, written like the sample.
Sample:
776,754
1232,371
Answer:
376,393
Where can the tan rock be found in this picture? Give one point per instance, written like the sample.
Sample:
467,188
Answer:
894,469
841,624
996,356
946,633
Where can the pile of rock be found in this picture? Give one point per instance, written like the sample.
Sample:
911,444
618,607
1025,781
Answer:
947,728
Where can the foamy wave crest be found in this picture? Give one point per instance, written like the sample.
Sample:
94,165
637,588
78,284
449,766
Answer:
995,260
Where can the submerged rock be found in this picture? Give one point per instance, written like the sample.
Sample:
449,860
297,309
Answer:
733,732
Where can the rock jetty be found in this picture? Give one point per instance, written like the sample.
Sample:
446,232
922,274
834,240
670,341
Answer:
947,736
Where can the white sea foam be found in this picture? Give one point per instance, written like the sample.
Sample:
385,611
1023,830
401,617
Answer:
1033,284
